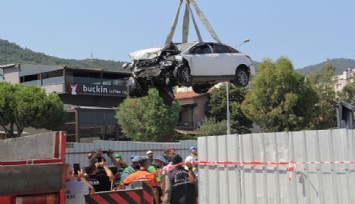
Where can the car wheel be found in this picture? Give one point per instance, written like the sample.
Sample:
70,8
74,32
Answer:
200,89
241,77
184,76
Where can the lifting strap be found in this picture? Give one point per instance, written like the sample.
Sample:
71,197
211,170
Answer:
204,21
170,36
186,23
196,27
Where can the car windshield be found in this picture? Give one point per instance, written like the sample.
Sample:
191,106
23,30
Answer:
184,46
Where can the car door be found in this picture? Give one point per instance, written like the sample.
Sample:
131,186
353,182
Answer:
203,60
229,59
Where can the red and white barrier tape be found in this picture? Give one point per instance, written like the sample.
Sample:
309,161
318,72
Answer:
291,165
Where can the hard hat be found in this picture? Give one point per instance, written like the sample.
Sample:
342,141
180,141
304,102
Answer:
191,148
160,158
136,158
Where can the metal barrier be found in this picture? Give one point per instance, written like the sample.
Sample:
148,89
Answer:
77,153
141,195
315,167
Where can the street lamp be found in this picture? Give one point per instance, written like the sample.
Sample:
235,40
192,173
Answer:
227,90
228,112
244,41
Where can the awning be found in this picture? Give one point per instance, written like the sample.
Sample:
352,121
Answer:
187,132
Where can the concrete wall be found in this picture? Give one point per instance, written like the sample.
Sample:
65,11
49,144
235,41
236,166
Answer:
12,75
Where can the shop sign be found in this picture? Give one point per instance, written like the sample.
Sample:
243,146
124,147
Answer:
74,88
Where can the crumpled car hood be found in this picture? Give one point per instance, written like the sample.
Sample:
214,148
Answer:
149,53
152,53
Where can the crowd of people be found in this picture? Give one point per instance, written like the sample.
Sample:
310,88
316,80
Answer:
172,179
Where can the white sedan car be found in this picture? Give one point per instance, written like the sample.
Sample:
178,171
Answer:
199,64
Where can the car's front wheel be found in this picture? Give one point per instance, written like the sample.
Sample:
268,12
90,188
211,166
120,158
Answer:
184,76
241,77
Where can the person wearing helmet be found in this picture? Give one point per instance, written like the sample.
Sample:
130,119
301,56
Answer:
119,165
193,157
150,156
130,169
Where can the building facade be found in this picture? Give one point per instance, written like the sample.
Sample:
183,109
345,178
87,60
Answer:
344,79
193,109
90,96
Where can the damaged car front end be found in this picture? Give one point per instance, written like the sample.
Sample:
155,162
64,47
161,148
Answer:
154,67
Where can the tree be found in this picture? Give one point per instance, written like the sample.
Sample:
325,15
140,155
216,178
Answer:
28,106
280,99
323,82
348,93
147,118
217,108
210,126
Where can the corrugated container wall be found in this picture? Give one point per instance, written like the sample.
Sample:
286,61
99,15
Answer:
311,181
77,152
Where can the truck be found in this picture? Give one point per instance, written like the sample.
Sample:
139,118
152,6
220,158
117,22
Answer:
32,169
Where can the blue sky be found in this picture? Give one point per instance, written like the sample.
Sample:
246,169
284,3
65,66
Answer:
306,31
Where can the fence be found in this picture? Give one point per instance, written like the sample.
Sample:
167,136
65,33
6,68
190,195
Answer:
310,167
141,195
77,152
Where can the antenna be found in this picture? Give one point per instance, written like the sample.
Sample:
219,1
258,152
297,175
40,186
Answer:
91,56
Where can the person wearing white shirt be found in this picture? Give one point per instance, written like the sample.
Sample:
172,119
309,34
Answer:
76,190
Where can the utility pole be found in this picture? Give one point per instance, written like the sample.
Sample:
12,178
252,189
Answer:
228,112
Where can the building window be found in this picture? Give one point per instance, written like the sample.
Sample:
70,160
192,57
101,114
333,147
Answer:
31,80
55,77
70,127
83,77
113,79
99,124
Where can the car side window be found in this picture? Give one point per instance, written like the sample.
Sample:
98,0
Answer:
223,49
203,49
232,50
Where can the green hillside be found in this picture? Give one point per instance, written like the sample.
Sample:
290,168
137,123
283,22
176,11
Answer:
10,53
341,64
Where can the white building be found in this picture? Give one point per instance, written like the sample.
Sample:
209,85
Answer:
344,79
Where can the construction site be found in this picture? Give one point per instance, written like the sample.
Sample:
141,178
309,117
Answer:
309,166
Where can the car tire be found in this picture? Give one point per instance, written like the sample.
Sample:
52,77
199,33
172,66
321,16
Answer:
184,76
200,89
241,77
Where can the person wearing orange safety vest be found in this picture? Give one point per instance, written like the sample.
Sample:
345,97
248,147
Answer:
130,169
144,174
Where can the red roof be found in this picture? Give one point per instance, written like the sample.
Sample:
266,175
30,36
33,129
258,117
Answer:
186,95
